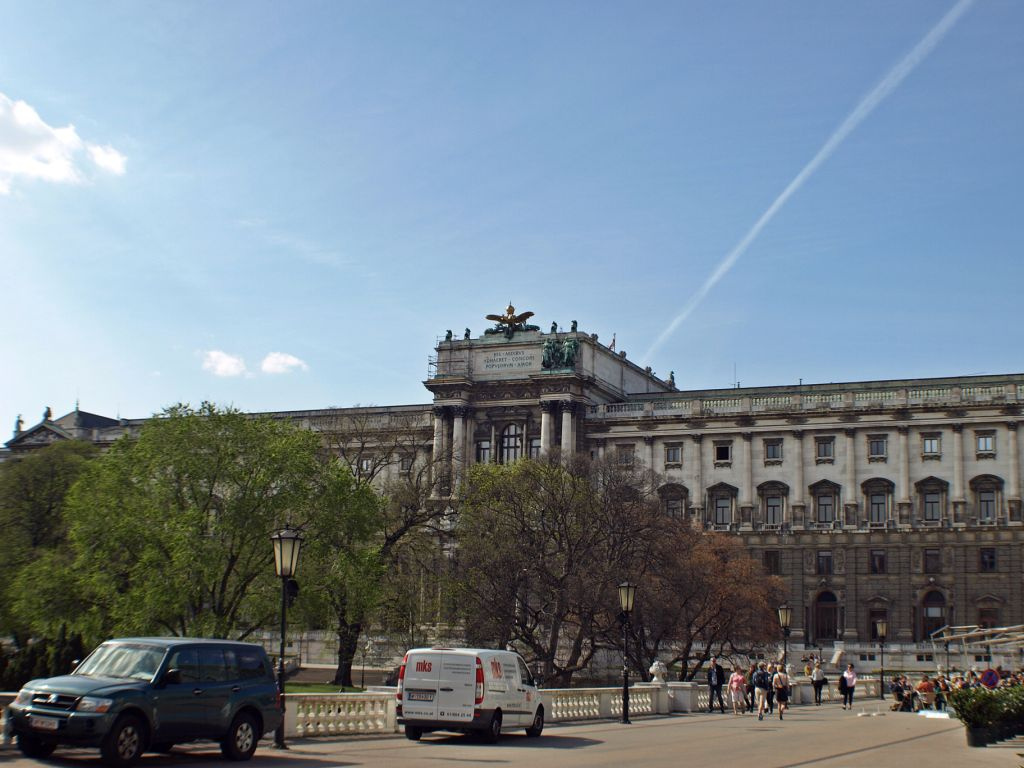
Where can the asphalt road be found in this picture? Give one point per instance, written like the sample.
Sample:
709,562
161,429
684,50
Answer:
809,736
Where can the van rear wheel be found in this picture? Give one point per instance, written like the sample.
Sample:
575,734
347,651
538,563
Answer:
538,724
494,728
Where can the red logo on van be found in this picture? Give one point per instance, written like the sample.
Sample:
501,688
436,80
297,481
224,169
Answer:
423,666
495,668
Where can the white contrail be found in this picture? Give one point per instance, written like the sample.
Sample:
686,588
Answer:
867,105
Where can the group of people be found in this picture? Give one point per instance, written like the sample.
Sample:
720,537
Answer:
933,692
766,686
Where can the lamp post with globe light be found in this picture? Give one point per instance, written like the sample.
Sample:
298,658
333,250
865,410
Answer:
881,630
287,545
627,594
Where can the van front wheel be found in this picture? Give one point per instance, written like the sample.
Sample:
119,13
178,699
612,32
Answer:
494,729
413,734
538,724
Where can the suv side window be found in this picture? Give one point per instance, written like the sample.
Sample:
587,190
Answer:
249,662
213,665
187,660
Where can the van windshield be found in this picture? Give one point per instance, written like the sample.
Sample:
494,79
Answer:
134,661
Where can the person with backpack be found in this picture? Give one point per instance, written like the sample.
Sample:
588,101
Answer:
780,684
762,684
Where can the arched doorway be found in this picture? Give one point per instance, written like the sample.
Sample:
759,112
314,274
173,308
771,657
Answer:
826,617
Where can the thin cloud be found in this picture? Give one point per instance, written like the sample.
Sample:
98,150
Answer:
867,105
282,362
222,364
33,150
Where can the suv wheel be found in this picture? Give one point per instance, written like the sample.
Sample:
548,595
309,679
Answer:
33,746
124,744
240,743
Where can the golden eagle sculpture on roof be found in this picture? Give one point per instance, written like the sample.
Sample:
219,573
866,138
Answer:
510,322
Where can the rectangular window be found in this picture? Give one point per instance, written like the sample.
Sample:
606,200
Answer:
826,508
986,506
931,446
932,507
483,452
878,512
773,511
988,618
365,464
723,451
825,448
674,508
624,455
988,559
986,442
534,447
723,511
825,563
878,447
878,563
673,454
772,562
932,561
773,450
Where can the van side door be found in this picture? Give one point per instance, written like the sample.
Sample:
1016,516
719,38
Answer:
532,697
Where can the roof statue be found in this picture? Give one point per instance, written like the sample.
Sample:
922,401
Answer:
510,322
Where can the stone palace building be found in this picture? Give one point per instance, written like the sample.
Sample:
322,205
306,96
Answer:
879,499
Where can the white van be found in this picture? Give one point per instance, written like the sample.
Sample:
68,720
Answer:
467,690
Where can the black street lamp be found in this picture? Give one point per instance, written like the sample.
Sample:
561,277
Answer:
287,544
785,619
881,630
627,593
948,671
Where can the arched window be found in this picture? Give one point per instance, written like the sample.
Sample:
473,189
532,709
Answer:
931,500
878,500
673,500
511,444
988,498
773,495
825,501
933,613
722,500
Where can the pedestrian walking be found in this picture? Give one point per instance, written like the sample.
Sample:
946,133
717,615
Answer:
818,681
738,691
772,669
716,679
780,684
846,686
762,683
750,688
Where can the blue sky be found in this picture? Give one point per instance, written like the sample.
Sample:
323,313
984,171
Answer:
189,188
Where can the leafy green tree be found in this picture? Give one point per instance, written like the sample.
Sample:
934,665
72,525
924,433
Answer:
33,488
170,531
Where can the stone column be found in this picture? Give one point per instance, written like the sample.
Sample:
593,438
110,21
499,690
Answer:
697,497
799,505
568,430
442,464
494,442
438,432
747,489
959,502
459,414
547,407
851,496
903,490
1013,486
649,451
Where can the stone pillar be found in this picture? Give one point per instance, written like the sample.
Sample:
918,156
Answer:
798,505
697,497
442,463
649,452
547,407
851,496
568,430
1013,486
438,432
959,501
747,488
494,442
903,490
459,414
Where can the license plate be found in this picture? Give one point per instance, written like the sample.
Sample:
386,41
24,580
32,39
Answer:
420,695
45,723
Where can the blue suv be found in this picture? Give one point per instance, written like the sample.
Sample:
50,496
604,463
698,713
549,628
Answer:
147,694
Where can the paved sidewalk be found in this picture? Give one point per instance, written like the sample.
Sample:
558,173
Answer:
825,737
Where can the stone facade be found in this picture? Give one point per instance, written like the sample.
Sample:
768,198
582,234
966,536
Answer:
883,499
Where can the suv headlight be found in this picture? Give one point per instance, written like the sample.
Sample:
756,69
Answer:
24,697
93,704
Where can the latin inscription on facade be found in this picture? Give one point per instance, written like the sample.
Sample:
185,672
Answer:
510,360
